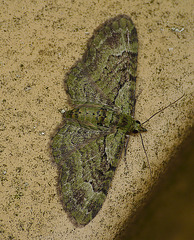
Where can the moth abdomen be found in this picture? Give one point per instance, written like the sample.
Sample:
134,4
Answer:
96,115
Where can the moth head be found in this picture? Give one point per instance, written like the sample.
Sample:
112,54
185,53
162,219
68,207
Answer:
138,127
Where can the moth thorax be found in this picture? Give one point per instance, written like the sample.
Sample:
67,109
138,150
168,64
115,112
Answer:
126,122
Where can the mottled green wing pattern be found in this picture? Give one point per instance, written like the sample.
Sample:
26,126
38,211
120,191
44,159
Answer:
88,159
89,145
107,72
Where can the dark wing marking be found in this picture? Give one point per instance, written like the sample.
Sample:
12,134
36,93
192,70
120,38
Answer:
107,72
86,169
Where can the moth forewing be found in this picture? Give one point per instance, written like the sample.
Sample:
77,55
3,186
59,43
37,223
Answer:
88,147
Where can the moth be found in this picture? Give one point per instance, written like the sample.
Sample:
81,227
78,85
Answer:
89,145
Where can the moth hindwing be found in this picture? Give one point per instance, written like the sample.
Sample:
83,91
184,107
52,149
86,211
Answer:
88,147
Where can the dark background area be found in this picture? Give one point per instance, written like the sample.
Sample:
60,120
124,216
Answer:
169,214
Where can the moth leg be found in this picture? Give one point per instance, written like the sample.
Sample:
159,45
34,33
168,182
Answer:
125,154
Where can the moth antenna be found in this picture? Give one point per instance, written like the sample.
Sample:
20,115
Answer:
146,155
163,109
148,120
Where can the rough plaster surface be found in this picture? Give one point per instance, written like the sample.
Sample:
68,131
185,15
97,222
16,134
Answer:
40,41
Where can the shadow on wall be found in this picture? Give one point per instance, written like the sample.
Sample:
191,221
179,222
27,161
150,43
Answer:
169,213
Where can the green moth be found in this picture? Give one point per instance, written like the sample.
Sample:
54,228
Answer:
88,146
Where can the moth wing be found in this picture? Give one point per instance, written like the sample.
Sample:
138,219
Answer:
88,162
107,72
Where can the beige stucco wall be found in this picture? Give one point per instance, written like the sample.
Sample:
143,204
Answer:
40,41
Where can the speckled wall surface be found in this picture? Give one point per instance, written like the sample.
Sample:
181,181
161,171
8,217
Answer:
40,41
